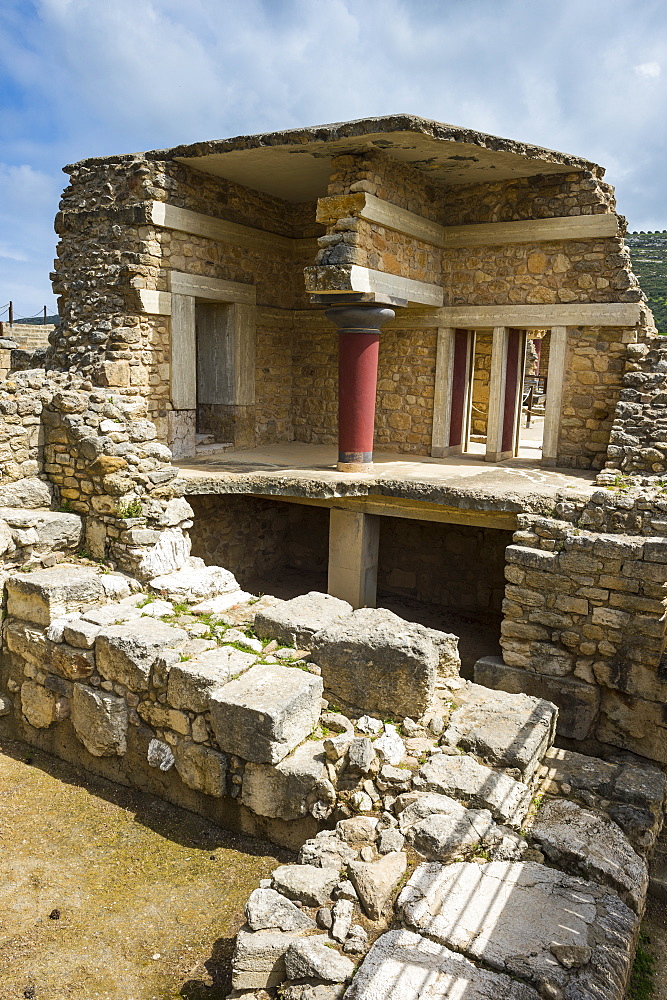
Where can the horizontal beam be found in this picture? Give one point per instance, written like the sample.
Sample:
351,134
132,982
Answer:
576,227
341,279
412,510
184,221
197,286
522,317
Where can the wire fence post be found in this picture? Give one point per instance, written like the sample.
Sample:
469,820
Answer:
44,319
11,313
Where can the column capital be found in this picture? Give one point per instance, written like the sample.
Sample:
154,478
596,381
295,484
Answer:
360,316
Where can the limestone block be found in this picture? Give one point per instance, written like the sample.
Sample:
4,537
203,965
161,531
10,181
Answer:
26,493
41,708
127,652
162,717
81,633
7,542
28,641
373,659
313,958
71,663
406,965
376,881
201,768
111,614
281,791
46,594
578,703
591,845
563,935
266,909
194,581
267,712
192,681
259,958
295,622
176,511
633,724
327,850
510,731
309,885
170,553
100,721
474,784
52,529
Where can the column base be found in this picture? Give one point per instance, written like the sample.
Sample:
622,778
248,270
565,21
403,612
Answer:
355,466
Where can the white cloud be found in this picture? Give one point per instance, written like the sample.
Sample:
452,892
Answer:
649,70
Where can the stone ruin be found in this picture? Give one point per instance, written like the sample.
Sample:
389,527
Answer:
486,828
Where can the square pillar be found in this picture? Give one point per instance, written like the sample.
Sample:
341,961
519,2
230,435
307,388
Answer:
451,400
353,556
507,367
553,409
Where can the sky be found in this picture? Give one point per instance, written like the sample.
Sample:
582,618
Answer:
83,78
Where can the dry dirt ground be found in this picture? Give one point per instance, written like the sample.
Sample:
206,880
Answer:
106,894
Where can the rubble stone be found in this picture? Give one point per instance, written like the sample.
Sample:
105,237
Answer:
376,881
100,721
266,909
446,832
280,791
266,713
259,958
312,958
310,885
39,706
327,850
201,768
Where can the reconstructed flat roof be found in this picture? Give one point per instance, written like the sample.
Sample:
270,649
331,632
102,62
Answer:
295,164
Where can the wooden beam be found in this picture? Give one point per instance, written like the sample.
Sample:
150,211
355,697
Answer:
183,353
154,303
410,509
575,227
554,402
348,278
522,317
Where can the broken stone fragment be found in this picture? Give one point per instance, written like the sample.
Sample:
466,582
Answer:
358,830
259,958
390,840
126,653
267,909
405,965
160,755
446,828
266,713
100,720
361,754
342,919
311,957
295,622
474,784
194,581
376,881
47,594
590,844
80,633
390,747
327,850
310,885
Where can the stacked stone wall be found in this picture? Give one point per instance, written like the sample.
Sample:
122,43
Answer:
638,440
585,618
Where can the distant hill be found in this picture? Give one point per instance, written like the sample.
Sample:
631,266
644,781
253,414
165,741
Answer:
649,262
38,320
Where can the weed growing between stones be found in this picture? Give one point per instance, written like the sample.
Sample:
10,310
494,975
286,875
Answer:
642,982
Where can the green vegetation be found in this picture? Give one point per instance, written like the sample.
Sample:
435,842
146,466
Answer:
129,508
649,262
642,984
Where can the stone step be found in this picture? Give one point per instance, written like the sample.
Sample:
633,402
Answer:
214,446
204,438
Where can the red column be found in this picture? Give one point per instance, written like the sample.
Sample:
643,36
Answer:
358,347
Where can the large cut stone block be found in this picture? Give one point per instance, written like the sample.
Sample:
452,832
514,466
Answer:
259,958
281,791
126,653
464,779
405,965
509,731
192,681
267,712
201,768
295,622
100,721
194,581
590,844
46,594
565,936
578,703
52,529
375,660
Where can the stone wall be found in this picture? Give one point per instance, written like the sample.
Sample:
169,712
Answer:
481,385
638,441
453,565
584,620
